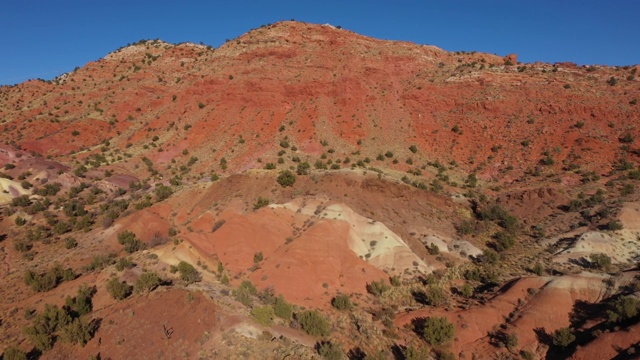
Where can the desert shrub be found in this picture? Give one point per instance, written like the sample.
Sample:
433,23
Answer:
330,351
377,288
261,202
163,192
70,243
264,315
490,257
123,263
21,201
257,257
615,225
466,290
413,149
435,296
416,353
341,302
118,289
527,355
48,280
466,227
146,282
22,246
130,242
623,308
437,330
13,353
100,261
244,292
563,337
81,304
600,261
313,323
286,178
627,189
500,215
627,138
282,308
504,240
511,341
303,168
188,273
42,331
61,227
78,331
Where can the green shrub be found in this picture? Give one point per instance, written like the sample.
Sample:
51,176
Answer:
341,302
42,331
48,280
313,323
163,192
245,292
263,315
330,351
70,243
490,257
81,304
123,263
435,296
117,289
466,290
188,273
22,246
416,353
303,168
282,308
437,330
262,202
623,308
130,242
563,337
13,353
413,149
600,261
377,288
100,261
78,331
146,282
615,225
286,178
504,240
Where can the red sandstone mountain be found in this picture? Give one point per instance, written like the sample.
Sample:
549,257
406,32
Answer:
542,154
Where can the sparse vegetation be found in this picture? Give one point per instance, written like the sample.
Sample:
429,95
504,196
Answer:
313,323
436,330
341,302
119,290
563,337
286,178
146,282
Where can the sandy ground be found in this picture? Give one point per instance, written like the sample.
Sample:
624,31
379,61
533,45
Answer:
10,189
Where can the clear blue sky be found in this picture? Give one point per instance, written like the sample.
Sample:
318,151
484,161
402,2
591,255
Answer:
45,38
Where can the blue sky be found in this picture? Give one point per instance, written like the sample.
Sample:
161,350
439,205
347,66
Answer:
45,38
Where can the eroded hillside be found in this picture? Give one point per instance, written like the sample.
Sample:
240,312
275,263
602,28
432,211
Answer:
306,192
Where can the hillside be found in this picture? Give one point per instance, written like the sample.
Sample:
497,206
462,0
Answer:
304,167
